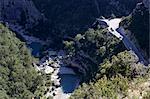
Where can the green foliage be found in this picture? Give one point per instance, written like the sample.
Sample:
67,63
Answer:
124,63
99,41
18,78
91,48
69,46
94,42
104,88
3,94
126,21
74,16
78,37
147,95
101,51
114,78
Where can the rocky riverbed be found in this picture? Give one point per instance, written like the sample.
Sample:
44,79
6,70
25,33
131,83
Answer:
64,80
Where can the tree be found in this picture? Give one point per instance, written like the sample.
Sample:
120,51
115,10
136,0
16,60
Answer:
69,46
18,78
125,64
3,94
91,48
103,88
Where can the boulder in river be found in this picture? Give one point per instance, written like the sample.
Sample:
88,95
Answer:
48,70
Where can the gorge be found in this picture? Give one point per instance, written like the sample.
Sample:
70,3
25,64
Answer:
78,45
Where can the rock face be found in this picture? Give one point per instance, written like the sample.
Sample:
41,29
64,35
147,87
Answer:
19,11
138,24
75,16
146,3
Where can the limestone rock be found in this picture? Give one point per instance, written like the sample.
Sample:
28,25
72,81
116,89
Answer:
48,70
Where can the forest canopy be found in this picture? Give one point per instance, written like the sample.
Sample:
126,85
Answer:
18,78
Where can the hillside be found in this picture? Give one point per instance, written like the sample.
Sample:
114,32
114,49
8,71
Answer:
54,20
67,18
21,12
18,78
77,49
121,77
138,24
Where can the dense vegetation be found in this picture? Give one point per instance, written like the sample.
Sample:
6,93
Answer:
67,18
18,78
106,69
115,78
92,48
117,87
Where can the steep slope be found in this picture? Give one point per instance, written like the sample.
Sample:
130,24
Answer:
138,24
18,78
87,51
121,77
19,11
67,18
57,19
114,73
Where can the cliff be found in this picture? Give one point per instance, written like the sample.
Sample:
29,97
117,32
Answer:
19,11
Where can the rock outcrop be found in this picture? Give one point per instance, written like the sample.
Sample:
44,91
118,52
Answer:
146,3
54,66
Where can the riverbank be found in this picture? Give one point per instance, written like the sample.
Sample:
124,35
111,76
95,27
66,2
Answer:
64,80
